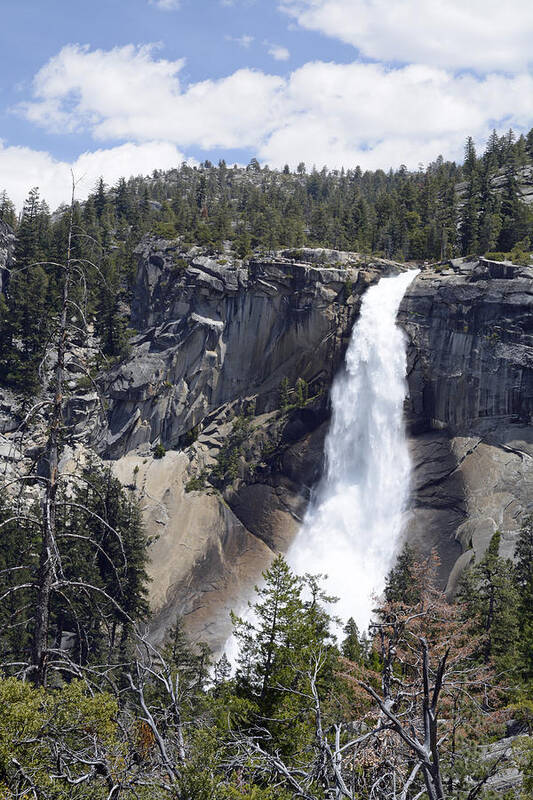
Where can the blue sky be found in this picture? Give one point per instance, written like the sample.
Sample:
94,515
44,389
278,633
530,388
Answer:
125,86
205,32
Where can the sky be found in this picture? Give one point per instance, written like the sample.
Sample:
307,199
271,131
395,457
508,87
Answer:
123,87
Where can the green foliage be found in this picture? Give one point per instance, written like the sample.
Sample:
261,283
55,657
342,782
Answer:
284,394
491,601
290,623
520,254
7,210
302,392
523,751
226,469
293,398
103,552
197,483
523,578
190,437
165,230
351,646
45,735
402,584
179,265
159,451
442,212
348,288
26,321
79,741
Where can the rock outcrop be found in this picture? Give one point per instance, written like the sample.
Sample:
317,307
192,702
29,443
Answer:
217,335
216,338
470,329
213,331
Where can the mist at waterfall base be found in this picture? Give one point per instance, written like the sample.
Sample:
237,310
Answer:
354,521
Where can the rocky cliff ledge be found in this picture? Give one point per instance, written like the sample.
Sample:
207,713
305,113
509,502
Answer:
470,328
217,340
213,330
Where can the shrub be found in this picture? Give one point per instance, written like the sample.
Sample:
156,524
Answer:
226,469
165,230
190,437
302,392
196,483
348,288
159,451
179,265
284,390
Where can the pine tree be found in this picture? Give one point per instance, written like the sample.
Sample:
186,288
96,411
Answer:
100,199
512,211
469,214
27,312
491,600
351,647
402,584
264,643
523,572
7,210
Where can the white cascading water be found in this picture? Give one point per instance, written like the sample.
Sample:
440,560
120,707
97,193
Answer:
353,524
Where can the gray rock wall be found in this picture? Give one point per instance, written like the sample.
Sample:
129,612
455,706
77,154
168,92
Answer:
213,331
470,406
214,335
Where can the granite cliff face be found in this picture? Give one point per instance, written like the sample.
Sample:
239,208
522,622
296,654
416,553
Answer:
470,329
216,339
213,331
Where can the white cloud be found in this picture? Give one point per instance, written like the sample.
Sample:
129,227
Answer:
485,35
79,86
21,168
166,5
363,113
323,113
125,93
278,52
244,40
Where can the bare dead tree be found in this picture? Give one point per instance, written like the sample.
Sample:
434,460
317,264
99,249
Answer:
49,560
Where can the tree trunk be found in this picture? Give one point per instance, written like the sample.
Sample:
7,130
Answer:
49,560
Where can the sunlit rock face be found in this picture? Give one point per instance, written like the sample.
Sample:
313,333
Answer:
215,338
470,406
215,335
212,331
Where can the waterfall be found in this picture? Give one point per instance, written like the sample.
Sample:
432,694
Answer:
354,520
